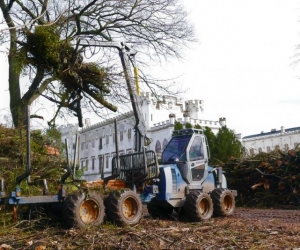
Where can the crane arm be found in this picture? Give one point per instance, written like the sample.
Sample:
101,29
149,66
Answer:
125,53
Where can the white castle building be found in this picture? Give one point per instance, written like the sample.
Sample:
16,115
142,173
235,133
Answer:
284,139
69,132
96,144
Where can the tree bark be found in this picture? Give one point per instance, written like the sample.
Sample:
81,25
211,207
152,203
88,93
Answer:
13,74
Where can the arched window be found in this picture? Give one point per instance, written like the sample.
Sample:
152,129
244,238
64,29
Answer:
158,147
165,143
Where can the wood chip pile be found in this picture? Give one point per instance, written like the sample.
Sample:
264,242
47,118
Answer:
267,179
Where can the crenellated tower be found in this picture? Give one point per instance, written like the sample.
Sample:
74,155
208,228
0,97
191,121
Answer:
194,108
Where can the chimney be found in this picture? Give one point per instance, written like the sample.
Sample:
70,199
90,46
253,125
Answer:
186,117
282,129
87,122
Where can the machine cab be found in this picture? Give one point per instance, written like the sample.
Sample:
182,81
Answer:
188,149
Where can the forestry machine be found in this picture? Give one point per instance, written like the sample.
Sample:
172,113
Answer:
183,182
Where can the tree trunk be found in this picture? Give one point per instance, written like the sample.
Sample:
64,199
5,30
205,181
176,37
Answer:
16,106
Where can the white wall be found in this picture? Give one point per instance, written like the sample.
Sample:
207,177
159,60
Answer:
159,129
285,139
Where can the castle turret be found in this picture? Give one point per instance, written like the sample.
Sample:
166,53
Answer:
222,121
194,107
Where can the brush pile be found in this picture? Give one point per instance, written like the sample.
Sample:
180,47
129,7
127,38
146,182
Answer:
267,179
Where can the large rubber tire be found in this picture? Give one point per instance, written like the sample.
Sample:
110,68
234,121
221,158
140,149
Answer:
198,206
124,207
157,211
81,209
224,202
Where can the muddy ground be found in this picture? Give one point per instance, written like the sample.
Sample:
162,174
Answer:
245,229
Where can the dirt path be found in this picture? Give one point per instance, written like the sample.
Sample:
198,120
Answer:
269,215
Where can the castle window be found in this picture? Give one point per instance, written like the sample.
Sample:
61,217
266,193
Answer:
158,147
129,133
165,143
100,142
121,135
86,165
106,161
101,158
286,147
93,163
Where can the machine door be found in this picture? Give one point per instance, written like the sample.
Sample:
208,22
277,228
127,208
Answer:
197,159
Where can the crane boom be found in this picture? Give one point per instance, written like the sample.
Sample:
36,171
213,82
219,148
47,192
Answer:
126,53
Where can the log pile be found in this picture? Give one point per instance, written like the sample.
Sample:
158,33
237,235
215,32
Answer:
267,179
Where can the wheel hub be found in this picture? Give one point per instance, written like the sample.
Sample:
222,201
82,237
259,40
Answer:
89,211
203,206
129,208
227,202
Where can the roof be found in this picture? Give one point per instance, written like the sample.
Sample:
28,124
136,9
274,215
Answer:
106,122
272,132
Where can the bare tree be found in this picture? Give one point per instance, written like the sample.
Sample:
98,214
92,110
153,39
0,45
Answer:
41,38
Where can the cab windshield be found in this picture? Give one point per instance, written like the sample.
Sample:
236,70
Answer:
176,149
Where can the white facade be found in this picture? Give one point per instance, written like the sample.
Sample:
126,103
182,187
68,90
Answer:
283,139
97,142
68,132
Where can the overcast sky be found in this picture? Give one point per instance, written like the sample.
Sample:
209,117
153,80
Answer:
242,65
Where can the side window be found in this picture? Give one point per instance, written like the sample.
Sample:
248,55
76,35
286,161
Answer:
86,165
158,147
101,163
106,161
93,163
100,142
129,133
165,143
196,150
286,147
